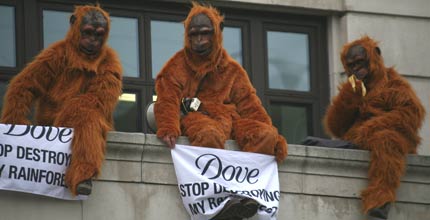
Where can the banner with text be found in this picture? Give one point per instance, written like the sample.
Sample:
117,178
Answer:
34,159
208,178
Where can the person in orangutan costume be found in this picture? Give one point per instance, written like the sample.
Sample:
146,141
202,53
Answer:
377,110
74,83
229,109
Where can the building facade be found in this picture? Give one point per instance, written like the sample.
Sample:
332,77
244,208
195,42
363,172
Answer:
289,48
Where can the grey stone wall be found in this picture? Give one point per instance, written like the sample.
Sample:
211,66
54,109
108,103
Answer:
138,182
402,27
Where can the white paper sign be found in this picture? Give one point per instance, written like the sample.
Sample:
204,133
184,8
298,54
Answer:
207,178
34,159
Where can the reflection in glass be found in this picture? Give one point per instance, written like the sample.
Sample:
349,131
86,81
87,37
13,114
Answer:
2,93
233,42
126,113
167,38
291,121
55,26
124,38
7,33
288,55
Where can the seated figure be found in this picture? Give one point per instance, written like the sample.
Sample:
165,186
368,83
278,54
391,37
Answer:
73,83
376,110
204,72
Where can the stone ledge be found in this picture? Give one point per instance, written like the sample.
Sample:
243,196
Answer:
119,140
307,170
138,182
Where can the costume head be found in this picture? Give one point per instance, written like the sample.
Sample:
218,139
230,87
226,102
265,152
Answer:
203,20
89,30
363,58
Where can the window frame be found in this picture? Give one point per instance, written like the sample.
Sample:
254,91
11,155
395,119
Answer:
140,93
308,105
141,50
9,72
244,27
318,96
168,17
51,7
253,24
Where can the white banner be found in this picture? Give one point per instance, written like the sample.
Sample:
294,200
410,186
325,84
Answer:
34,159
208,178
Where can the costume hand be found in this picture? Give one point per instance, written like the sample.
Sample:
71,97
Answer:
170,141
281,149
353,81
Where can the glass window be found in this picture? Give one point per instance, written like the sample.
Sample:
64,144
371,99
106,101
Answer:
167,38
124,38
55,26
2,93
232,37
7,33
288,56
291,121
126,113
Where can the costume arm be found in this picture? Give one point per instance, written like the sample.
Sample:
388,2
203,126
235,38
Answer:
94,106
402,112
166,108
29,84
247,102
343,111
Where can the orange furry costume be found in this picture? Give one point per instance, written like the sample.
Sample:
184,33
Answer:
230,108
73,90
385,121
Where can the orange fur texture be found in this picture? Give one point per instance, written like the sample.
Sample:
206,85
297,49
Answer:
70,89
386,121
228,97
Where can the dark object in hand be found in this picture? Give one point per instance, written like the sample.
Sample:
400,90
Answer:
190,105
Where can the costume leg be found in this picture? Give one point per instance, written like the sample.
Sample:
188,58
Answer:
88,150
388,150
255,136
203,130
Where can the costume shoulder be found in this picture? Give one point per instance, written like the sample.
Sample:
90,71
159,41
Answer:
400,93
112,62
111,55
396,80
174,64
48,62
234,67
53,53
397,87
233,63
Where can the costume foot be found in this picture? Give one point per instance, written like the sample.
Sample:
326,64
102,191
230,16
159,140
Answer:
84,187
237,209
379,213
249,209
230,210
